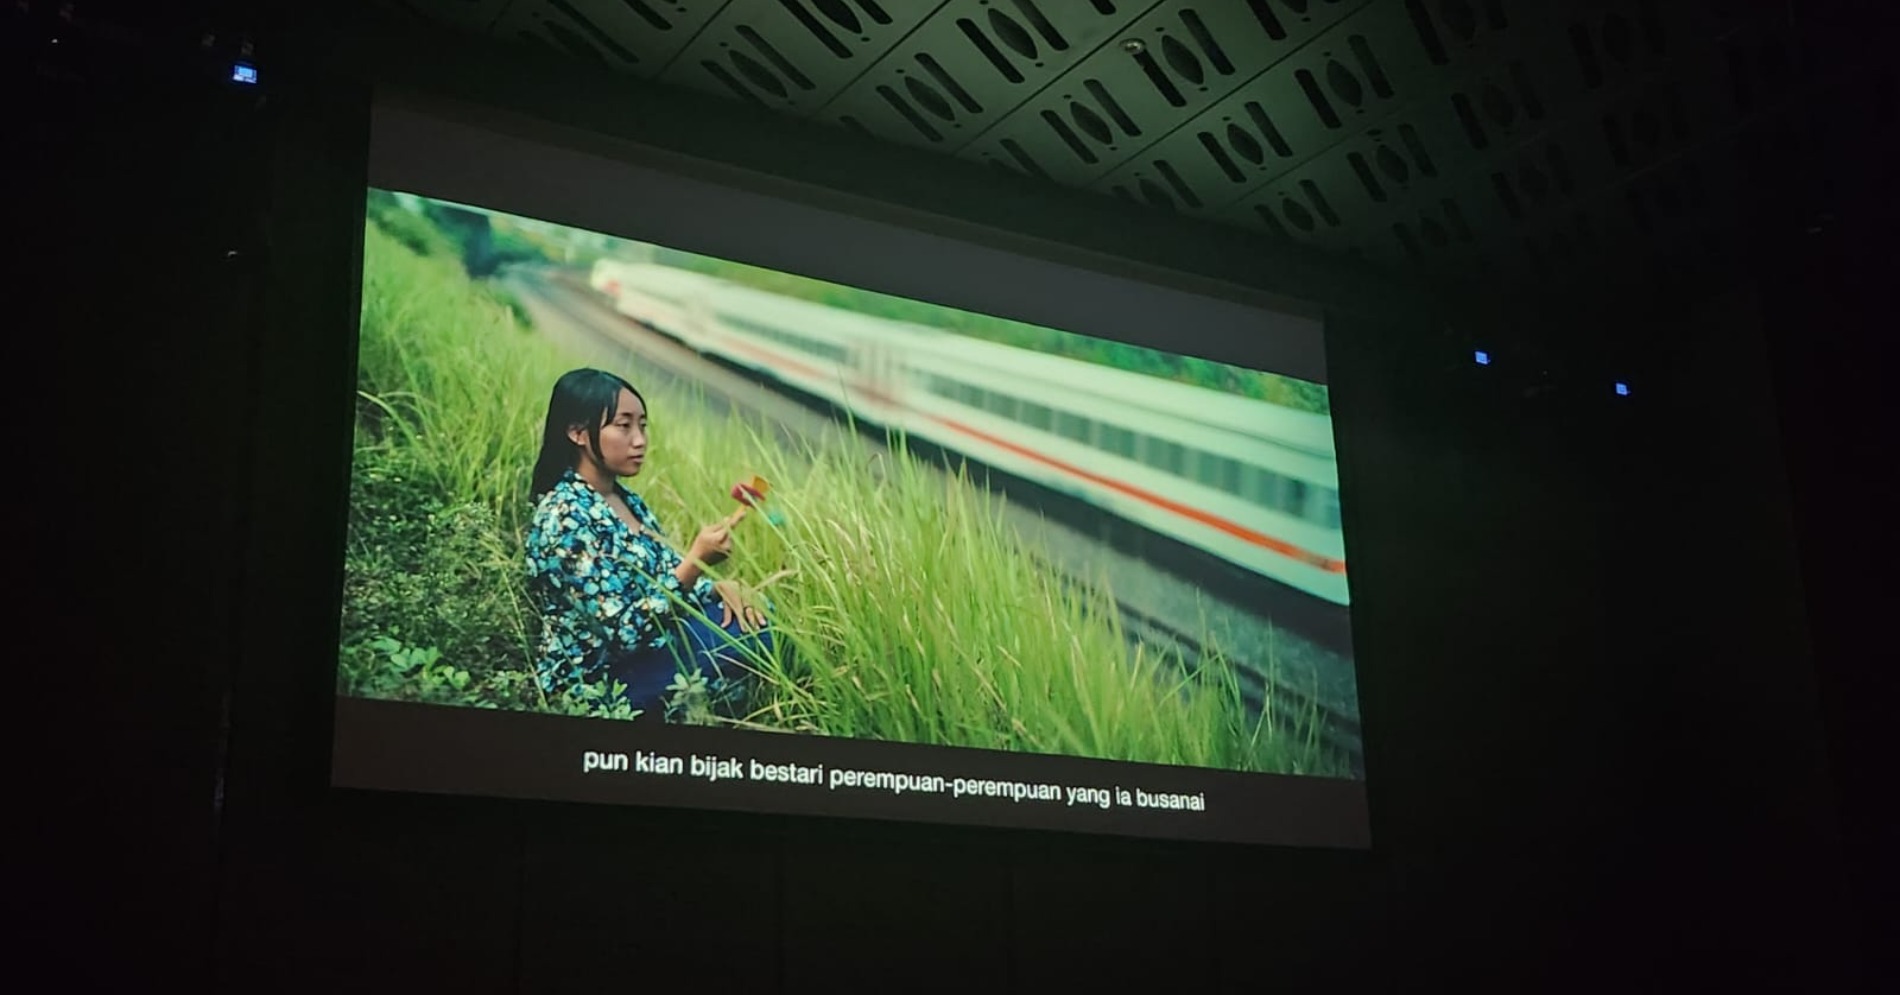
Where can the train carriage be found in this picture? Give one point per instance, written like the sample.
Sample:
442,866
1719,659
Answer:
661,297
1252,482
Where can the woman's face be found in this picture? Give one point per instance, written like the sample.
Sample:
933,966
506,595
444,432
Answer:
623,439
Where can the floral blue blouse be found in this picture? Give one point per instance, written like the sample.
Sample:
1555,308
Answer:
597,583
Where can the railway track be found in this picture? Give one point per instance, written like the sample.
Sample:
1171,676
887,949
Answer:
1338,730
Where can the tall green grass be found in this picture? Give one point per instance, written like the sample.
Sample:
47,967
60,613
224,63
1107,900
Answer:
907,608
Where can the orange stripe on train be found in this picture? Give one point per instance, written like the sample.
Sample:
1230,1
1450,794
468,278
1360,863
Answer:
1238,531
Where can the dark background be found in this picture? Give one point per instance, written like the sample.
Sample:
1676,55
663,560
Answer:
1618,664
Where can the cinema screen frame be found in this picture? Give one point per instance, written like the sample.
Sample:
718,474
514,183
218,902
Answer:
431,174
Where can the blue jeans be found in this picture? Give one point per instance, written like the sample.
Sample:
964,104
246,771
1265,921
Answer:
697,646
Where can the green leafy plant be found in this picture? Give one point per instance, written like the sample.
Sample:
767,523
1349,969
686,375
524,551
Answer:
387,664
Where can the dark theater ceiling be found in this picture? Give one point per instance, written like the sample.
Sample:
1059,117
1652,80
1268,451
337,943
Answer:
1530,140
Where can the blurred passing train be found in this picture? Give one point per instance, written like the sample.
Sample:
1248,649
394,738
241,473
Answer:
1251,482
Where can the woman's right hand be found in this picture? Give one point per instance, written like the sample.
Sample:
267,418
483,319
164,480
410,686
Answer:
714,542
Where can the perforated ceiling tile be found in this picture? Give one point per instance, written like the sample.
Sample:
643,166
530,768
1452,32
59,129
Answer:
1683,205
1459,32
1148,81
793,55
1607,134
636,36
1613,40
1376,182
1356,73
1473,137
1539,178
1478,127
971,64
1376,172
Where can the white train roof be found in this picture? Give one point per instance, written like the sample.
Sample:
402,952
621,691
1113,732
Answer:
1038,372
810,317
658,277
1034,373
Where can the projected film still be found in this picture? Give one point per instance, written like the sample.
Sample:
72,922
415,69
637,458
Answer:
712,534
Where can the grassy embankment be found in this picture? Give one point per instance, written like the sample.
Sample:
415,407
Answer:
913,613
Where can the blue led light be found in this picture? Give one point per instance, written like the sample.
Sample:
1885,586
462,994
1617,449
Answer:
241,73
1481,357
1622,389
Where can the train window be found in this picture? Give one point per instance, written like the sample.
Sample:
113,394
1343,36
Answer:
1201,466
1218,471
1002,405
815,347
1295,497
1073,426
1036,415
1326,509
1118,440
1167,456
1260,486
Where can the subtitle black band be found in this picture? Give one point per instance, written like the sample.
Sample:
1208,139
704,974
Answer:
402,746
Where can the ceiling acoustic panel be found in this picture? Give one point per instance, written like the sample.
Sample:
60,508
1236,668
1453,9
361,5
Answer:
1167,67
1675,210
635,36
1511,144
1468,138
1332,92
1397,190
1358,71
1389,173
970,65
794,56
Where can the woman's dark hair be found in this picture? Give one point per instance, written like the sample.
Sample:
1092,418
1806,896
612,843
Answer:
587,398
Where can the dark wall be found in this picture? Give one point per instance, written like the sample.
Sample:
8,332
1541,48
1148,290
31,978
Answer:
1594,733
137,205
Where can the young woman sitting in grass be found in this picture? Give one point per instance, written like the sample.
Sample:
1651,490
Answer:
618,604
